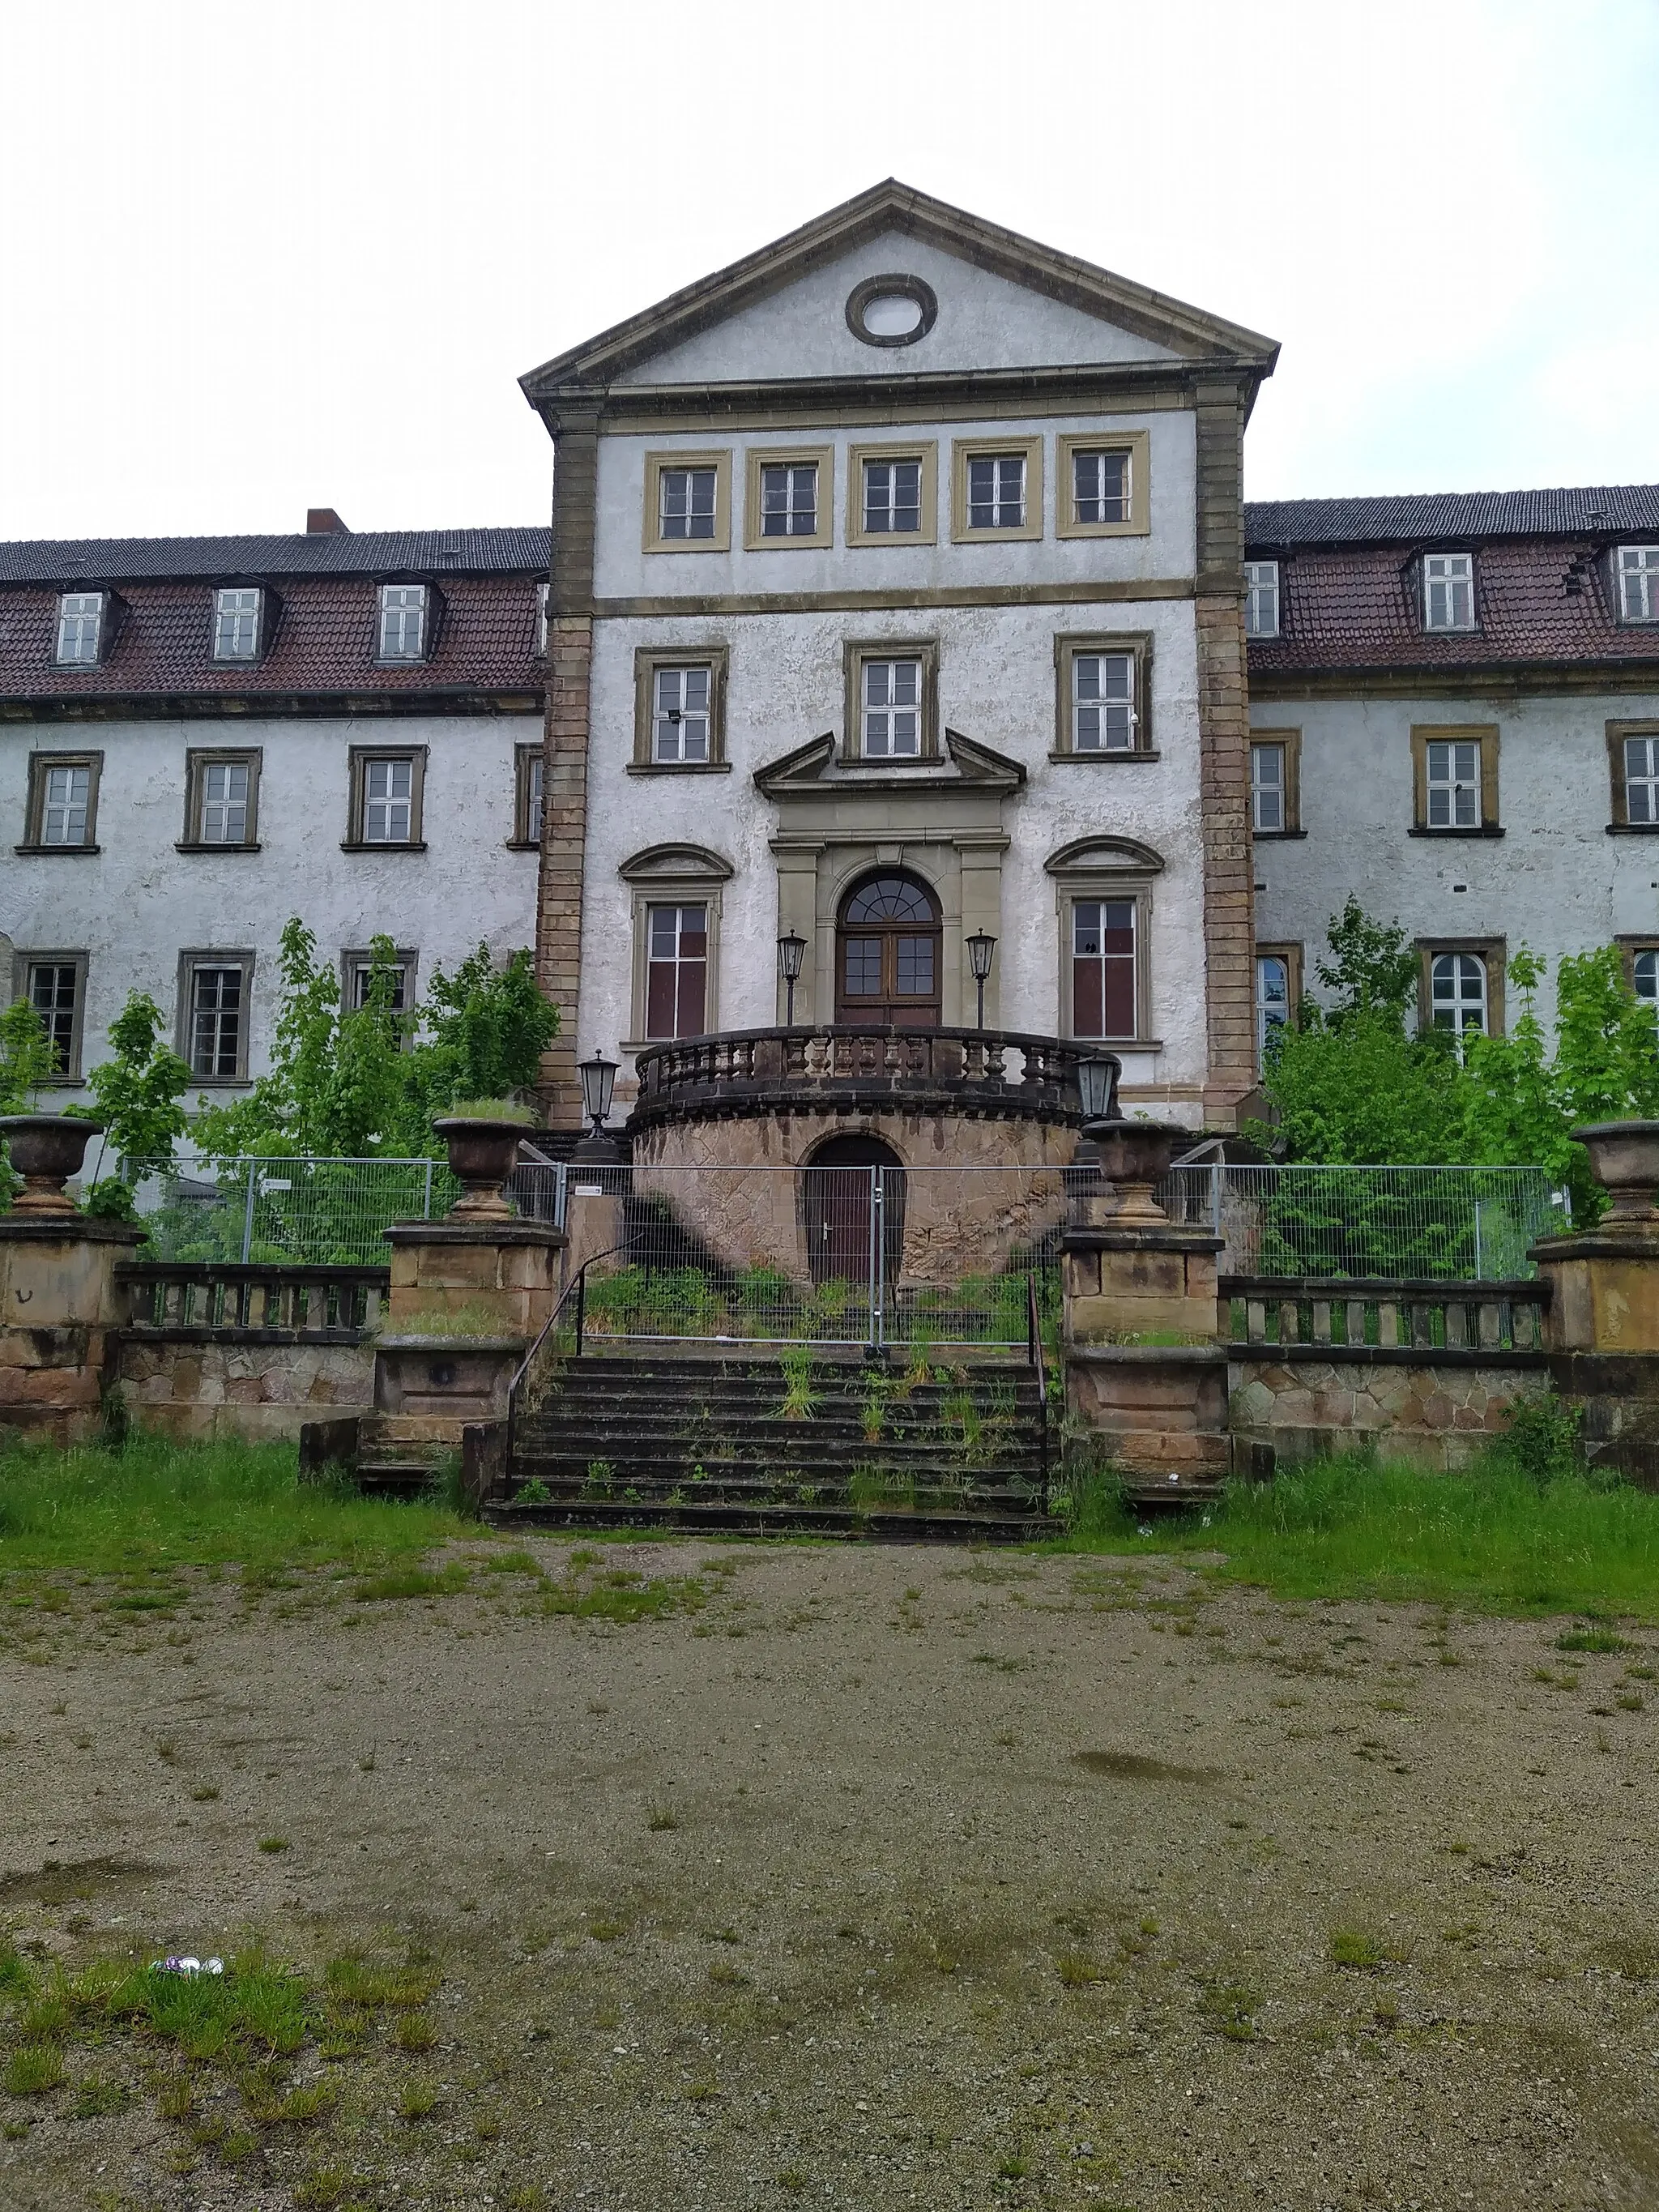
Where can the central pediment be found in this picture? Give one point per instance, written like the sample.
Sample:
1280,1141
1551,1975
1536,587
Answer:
818,769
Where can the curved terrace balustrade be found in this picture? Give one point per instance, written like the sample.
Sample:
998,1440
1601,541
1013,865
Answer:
996,1075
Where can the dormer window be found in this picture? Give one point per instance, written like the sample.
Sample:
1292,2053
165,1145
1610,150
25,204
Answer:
238,622
542,594
81,626
1262,598
1448,591
402,622
1638,583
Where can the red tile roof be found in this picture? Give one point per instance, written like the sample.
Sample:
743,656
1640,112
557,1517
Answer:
324,643
1541,601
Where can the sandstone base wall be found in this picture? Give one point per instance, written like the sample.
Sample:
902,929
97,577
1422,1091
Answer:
261,1392
1429,1414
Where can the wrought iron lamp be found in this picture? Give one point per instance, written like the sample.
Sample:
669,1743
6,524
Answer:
792,950
1097,1086
599,1081
981,949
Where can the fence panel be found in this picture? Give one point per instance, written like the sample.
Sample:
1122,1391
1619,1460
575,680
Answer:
865,1254
1452,1223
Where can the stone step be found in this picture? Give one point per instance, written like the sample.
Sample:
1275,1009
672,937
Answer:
891,1524
733,1472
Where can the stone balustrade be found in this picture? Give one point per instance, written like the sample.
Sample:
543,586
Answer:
225,1302
1314,1316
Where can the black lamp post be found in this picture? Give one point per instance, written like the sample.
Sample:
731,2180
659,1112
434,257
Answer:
792,950
1097,1084
599,1081
980,950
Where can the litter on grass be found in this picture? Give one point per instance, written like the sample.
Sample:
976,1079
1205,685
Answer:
172,1964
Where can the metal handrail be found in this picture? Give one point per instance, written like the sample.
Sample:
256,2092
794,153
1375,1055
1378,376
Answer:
576,1288
1033,1346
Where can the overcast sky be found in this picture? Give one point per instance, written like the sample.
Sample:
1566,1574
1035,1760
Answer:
256,259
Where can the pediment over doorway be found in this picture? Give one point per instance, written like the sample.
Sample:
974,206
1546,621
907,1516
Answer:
816,768
1098,856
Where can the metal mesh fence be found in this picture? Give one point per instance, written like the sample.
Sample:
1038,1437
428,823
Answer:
861,1254
1443,1224
309,1212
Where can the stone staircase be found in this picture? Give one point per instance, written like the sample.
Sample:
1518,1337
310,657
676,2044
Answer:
738,1441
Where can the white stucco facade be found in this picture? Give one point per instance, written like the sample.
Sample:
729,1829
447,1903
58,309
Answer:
1556,880
131,907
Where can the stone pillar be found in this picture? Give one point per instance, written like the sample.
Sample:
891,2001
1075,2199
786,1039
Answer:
61,1312
468,1299
1144,1369
1603,1318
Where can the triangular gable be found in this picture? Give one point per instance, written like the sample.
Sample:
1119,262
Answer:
1165,326
810,770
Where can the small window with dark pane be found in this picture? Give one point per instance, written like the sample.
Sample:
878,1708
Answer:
686,509
218,1018
892,498
676,971
54,991
680,715
1103,968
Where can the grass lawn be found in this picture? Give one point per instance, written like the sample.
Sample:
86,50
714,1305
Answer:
159,1504
1493,1539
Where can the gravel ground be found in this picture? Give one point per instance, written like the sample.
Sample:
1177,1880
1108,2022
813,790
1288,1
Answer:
865,1878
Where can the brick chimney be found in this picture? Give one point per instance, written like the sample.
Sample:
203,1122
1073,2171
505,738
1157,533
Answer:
323,522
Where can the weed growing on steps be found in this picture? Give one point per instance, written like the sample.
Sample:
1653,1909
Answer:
800,1401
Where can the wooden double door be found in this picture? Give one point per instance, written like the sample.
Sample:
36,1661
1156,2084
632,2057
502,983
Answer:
887,954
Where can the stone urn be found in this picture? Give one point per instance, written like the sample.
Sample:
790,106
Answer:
1135,1156
1625,1159
46,1150
482,1156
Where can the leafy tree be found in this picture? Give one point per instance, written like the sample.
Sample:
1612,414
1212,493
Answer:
351,1082
26,1060
136,1095
1372,968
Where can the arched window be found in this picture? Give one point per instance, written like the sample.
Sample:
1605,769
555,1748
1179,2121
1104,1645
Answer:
887,954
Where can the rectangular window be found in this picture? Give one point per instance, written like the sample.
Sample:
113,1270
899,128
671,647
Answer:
543,592
1102,487
996,491
789,500
686,508
1638,583
223,819
1104,717
237,609
1448,591
676,971
1103,968
388,796
680,715
80,628
527,796
54,990
1262,598
892,498
402,622
65,805
217,1019
1267,789
890,714
1453,779
1642,779
360,969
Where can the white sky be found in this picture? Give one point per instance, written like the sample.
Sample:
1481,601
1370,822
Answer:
261,258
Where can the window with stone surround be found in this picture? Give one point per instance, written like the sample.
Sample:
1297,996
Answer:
1633,776
1103,686
387,789
788,498
1278,990
1276,783
357,967
215,1009
1461,986
676,971
1104,965
1454,781
679,709
221,800
1102,488
1103,890
892,702
528,770
891,492
63,803
687,502
996,488
55,985
676,892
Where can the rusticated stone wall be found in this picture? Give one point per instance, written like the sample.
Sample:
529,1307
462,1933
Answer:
258,1391
1433,1414
976,1192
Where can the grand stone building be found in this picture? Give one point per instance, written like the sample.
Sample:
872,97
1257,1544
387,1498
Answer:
901,590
